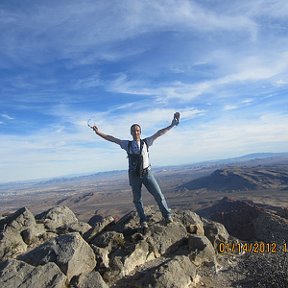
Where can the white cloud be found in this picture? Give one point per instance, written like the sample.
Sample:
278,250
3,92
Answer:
7,117
59,28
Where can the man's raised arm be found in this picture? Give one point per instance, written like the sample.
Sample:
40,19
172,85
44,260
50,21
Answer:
161,132
105,136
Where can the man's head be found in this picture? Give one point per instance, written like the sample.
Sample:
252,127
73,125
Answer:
135,131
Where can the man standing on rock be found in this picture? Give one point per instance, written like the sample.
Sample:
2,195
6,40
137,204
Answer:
140,167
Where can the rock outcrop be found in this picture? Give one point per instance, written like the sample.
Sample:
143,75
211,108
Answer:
15,273
109,254
17,231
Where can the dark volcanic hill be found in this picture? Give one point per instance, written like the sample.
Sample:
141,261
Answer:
247,220
241,179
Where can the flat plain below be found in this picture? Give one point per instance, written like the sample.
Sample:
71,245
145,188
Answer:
109,193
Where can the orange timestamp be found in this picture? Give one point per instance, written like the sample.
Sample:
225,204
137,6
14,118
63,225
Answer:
255,247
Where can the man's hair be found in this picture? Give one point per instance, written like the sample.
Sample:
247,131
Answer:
134,126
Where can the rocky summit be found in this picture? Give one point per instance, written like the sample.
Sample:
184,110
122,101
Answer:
55,249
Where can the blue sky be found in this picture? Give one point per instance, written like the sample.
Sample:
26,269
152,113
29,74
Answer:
222,64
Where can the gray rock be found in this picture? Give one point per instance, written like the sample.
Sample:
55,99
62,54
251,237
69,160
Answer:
62,220
137,257
19,220
11,244
102,256
17,231
191,221
178,272
98,227
115,270
216,233
90,280
201,250
15,273
105,244
70,252
111,245
111,240
166,239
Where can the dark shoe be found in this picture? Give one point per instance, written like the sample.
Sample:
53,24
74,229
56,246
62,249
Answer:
169,220
144,227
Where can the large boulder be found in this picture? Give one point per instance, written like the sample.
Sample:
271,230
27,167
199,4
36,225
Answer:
161,237
62,220
70,252
201,250
98,227
17,231
89,280
191,221
216,233
166,239
15,273
177,272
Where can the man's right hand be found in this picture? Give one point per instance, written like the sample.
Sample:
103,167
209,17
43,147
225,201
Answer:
95,129
176,119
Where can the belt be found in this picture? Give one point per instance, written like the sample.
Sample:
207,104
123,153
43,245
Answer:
140,173
145,170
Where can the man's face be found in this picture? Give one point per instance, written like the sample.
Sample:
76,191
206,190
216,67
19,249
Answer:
136,132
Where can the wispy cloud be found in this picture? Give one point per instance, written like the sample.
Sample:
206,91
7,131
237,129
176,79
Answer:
7,117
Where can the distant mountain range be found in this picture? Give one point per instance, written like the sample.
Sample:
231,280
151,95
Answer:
249,160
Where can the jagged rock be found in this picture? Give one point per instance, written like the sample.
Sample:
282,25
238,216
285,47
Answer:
270,228
120,260
110,240
11,244
166,238
90,280
80,227
62,220
15,273
19,220
202,251
17,231
216,233
98,227
178,272
137,257
191,221
122,249
160,236
70,252
102,257
137,249
115,271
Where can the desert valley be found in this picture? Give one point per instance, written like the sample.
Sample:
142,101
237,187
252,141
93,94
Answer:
261,178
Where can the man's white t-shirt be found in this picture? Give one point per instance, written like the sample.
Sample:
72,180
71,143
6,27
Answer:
135,149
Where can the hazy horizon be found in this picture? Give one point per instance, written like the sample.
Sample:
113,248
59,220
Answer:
91,173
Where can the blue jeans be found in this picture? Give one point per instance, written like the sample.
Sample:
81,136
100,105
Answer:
152,186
